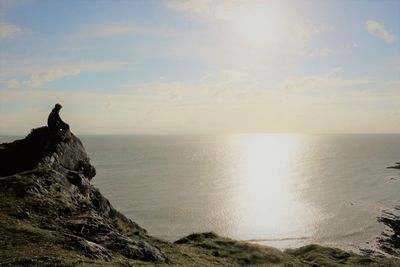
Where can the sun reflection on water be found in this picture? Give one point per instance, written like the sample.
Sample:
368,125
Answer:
265,193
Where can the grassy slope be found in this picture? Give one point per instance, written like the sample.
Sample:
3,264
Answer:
32,239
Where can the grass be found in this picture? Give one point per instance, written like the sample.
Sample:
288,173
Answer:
240,252
35,241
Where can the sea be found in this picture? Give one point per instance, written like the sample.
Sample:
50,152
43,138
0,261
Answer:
282,190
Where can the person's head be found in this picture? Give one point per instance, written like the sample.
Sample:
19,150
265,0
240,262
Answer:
57,107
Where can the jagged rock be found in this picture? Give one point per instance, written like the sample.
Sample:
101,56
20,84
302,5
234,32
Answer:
60,151
89,249
52,173
101,204
390,239
397,166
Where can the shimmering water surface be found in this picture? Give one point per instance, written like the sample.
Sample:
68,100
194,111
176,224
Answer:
275,189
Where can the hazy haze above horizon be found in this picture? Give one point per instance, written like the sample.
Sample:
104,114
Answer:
177,67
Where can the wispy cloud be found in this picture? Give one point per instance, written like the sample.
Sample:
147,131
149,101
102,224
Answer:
111,30
378,30
8,31
321,81
40,78
51,75
207,9
305,31
176,107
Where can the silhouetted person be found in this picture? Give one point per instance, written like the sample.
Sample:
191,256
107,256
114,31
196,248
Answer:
54,121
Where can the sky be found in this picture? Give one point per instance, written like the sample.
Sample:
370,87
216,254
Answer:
201,66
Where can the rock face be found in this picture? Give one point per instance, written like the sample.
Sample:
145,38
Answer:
51,173
62,151
390,241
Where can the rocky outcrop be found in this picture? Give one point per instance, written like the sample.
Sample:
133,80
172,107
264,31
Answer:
397,166
51,172
62,151
390,239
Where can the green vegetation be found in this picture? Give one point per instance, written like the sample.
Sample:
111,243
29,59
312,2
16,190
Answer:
238,253
29,227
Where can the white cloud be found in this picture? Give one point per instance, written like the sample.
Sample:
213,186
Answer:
36,80
40,78
8,30
206,9
105,31
378,30
13,83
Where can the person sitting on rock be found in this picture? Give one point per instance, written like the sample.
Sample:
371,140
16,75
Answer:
54,122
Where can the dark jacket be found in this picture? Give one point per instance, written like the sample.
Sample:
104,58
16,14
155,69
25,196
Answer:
54,121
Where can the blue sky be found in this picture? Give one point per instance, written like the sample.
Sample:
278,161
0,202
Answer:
188,66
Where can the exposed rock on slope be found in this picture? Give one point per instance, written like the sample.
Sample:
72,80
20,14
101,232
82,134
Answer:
54,193
390,241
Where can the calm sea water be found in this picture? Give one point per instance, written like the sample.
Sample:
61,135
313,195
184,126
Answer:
275,189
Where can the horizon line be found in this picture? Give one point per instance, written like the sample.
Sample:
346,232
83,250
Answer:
239,133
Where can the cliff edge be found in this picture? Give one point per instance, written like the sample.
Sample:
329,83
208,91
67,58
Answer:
51,215
46,190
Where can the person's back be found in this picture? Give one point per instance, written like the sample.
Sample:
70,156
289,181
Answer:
54,122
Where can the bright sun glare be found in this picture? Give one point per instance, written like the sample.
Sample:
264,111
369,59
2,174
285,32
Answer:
269,206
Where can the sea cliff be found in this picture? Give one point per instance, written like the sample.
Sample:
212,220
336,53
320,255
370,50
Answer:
51,215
